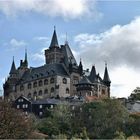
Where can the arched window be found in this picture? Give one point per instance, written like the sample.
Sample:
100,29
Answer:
35,84
67,91
29,86
52,80
21,88
46,91
46,82
29,95
40,93
40,83
35,94
64,81
52,90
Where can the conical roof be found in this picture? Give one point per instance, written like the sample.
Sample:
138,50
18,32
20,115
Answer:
106,75
26,60
54,41
92,75
13,68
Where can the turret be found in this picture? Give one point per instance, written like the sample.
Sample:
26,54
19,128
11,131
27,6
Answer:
26,61
54,41
80,68
106,79
13,68
92,75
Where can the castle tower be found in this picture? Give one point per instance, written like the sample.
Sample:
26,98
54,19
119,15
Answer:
106,79
9,85
54,53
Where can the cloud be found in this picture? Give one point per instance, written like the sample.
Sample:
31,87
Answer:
120,46
39,57
16,43
68,9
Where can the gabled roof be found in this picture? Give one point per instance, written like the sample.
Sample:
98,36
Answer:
68,56
54,41
13,68
44,71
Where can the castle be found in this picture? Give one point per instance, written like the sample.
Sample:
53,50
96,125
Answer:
60,76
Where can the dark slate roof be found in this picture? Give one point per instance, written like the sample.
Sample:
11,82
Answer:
92,75
22,97
54,41
13,68
44,71
106,76
69,57
84,80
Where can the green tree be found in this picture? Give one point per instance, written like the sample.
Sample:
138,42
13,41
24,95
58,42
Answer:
58,122
13,124
103,118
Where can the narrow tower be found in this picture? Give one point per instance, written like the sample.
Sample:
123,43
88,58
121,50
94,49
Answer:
106,79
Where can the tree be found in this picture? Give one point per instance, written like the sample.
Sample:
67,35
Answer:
13,124
103,119
58,122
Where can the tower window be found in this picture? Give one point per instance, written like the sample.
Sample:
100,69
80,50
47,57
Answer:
40,83
64,81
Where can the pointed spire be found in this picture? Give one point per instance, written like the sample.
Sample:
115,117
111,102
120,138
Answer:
106,76
13,67
80,68
92,75
54,42
25,54
66,41
26,60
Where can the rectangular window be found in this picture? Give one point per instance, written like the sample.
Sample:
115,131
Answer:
40,106
40,113
51,106
26,105
23,106
17,106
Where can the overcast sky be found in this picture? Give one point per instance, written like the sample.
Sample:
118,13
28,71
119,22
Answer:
97,31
